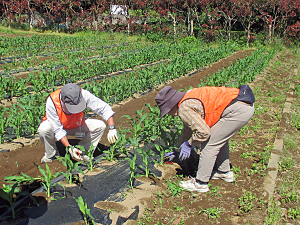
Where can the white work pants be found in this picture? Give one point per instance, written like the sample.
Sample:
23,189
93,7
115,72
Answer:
92,128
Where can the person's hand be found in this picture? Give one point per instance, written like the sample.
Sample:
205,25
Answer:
112,136
169,155
185,150
75,153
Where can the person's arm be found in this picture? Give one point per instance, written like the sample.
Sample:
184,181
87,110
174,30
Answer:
98,106
104,110
191,113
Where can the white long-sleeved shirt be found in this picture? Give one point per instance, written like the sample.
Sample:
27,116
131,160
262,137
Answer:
94,103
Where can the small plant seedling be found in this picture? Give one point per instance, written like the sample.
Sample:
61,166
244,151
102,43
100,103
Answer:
8,195
88,218
132,163
71,166
91,163
173,187
146,155
47,177
212,213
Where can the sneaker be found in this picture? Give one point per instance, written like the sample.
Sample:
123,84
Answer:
228,177
193,185
45,159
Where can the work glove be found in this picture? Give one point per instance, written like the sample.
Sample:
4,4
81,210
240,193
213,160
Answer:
185,150
112,136
170,155
75,153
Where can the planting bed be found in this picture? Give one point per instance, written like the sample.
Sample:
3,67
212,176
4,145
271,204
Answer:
158,200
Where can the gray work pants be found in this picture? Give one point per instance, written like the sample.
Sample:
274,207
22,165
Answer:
215,151
92,128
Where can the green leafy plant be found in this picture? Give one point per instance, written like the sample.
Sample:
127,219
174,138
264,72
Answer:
246,202
88,218
71,166
294,213
47,177
24,179
90,153
11,195
132,163
212,213
173,186
146,155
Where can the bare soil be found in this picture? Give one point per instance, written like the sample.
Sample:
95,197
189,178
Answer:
187,205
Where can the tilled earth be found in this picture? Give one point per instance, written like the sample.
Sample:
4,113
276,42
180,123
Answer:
224,200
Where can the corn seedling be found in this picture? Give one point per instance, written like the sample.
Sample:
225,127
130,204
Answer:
3,121
90,153
11,195
24,179
117,148
71,166
146,155
88,218
47,177
132,163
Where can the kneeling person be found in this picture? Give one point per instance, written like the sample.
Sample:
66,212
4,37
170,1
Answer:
64,116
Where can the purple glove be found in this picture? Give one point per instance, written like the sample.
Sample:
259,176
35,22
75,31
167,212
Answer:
185,150
170,155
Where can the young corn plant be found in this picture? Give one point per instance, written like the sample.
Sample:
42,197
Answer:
132,163
146,155
47,177
4,121
24,179
11,195
90,153
117,148
88,218
71,166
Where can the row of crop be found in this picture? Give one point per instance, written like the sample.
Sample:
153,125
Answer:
80,70
242,71
37,43
118,88
59,59
111,90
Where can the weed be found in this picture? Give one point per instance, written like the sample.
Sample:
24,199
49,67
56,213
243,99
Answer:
246,202
212,213
294,213
173,187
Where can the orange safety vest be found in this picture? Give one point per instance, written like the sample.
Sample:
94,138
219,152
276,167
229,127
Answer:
214,100
69,122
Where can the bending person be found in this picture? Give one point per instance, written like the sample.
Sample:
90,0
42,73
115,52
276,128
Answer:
64,116
211,116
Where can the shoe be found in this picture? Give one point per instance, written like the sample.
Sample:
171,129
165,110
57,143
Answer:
193,185
45,159
228,177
